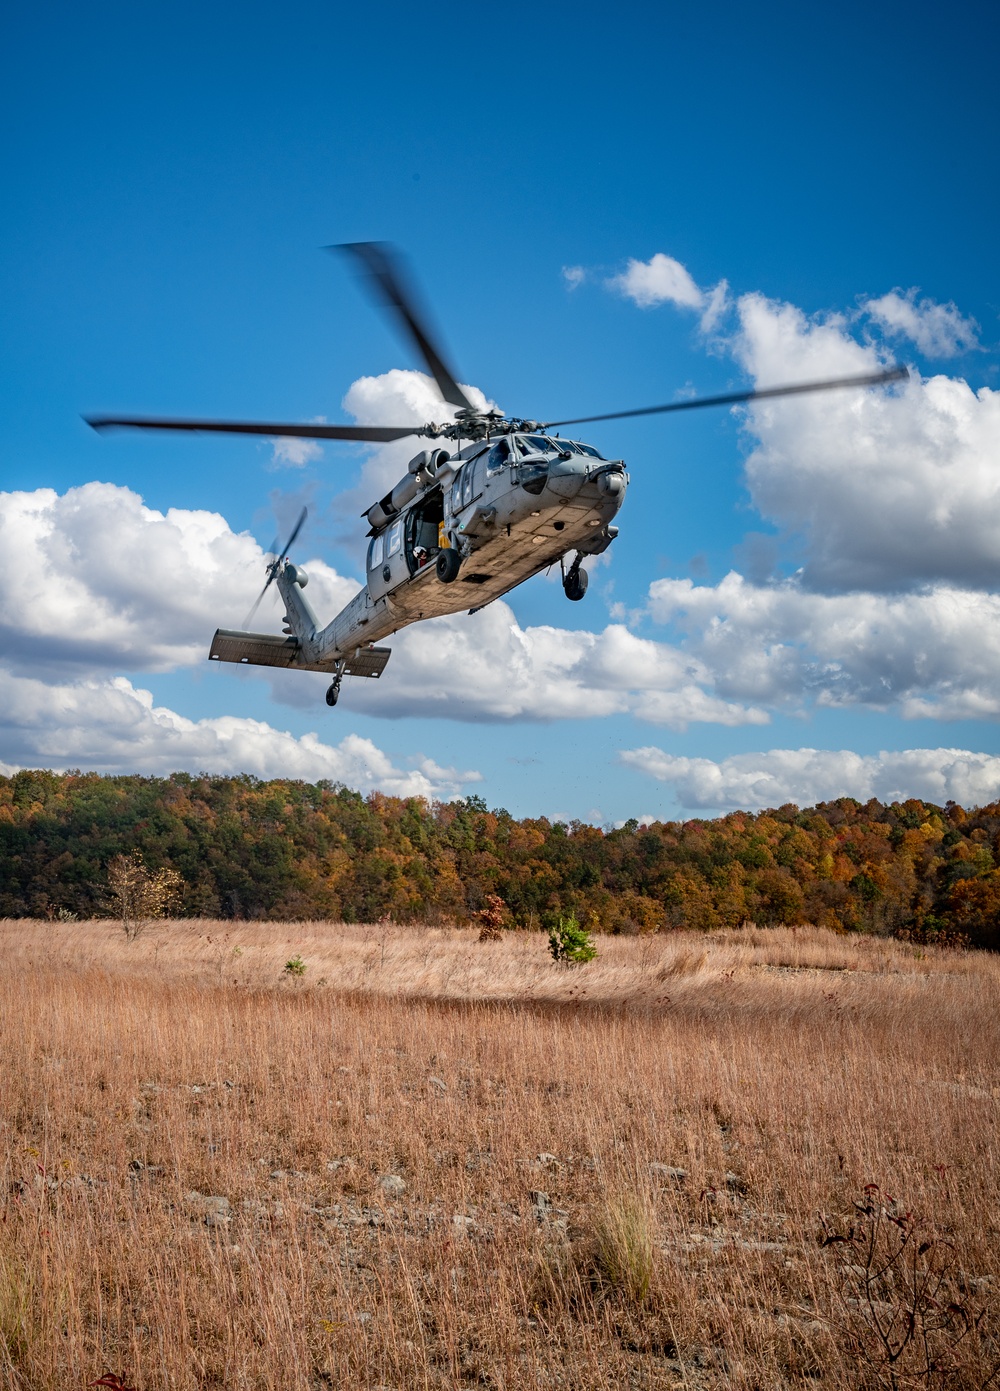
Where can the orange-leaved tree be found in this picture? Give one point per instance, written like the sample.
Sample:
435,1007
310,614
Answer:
137,895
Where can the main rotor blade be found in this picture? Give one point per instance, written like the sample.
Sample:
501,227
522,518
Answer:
378,434
386,272
895,374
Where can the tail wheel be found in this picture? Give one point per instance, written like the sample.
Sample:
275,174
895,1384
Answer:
333,694
449,562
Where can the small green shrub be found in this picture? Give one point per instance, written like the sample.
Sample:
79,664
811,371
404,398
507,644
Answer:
295,966
570,943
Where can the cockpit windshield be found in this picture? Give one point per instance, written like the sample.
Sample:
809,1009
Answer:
535,444
541,444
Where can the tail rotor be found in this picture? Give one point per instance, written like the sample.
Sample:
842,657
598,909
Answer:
275,565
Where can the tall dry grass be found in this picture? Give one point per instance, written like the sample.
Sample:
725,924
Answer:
434,1163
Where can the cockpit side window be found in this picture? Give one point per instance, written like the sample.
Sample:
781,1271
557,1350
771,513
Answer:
456,491
498,456
394,538
589,449
375,553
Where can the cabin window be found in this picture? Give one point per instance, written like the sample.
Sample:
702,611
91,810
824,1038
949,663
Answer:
375,552
467,480
394,539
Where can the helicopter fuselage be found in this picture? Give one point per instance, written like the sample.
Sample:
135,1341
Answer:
505,509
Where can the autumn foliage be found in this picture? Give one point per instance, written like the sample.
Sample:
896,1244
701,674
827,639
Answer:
291,850
135,896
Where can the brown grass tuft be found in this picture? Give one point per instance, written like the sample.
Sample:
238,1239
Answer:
624,1247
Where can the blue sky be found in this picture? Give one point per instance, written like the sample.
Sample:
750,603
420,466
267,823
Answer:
172,173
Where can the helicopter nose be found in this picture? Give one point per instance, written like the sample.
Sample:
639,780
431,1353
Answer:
567,476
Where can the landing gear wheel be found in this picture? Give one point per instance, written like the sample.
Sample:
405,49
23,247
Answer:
333,694
449,562
575,584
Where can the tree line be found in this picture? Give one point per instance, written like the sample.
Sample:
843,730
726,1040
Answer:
246,848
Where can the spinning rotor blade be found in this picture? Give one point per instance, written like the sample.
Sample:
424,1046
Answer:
378,434
250,616
295,531
894,374
275,564
386,273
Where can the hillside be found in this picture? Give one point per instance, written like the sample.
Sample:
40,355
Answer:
292,850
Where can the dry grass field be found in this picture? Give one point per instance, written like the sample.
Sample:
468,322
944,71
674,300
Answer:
432,1163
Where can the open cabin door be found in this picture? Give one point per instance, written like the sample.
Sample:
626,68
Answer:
408,545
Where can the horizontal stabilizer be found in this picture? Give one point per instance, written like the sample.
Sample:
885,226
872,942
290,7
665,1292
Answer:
269,650
257,649
368,661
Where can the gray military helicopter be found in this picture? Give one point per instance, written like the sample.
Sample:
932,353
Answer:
507,500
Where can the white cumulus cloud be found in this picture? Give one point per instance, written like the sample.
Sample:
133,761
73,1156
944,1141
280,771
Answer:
486,666
938,330
893,500
807,776
660,280
94,583
293,452
93,579
935,651
110,725
663,280
884,490
887,490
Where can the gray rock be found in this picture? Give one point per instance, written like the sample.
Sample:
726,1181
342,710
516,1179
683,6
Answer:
213,1209
139,1168
541,1202
547,1161
668,1172
392,1185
